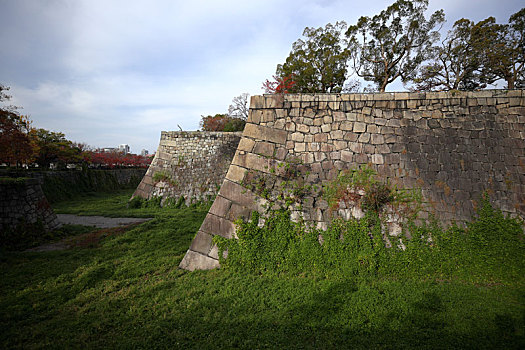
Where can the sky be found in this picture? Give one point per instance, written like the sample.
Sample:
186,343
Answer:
110,72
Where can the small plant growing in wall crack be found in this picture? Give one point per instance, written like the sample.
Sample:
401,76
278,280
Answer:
163,176
181,162
361,187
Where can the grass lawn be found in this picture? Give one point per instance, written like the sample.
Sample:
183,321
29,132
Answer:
106,204
126,291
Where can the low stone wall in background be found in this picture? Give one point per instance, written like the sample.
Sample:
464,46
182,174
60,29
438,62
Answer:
60,185
454,146
23,202
189,164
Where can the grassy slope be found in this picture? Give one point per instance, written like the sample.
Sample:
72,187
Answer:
128,292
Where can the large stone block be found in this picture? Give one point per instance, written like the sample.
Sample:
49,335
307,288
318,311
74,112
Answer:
201,243
197,261
359,127
246,144
216,225
238,194
264,148
264,133
220,206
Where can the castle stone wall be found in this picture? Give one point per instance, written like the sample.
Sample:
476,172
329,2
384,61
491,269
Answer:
454,146
23,202
190,164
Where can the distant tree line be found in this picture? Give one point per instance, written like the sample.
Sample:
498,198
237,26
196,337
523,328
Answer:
23,145
234,120
400,42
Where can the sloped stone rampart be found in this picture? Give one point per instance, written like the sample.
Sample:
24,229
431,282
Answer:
191,164
23,202
454,146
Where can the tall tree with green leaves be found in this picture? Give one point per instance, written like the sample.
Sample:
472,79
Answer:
455,65
394,43
16,144
318,62
502,47
55,148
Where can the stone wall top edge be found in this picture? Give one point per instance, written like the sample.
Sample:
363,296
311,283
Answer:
389,96
199,133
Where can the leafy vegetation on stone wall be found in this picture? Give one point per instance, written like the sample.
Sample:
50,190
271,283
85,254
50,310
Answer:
491,246
363,189
164,176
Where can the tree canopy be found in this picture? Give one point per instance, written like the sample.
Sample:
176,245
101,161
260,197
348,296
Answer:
16,145
55,148
221,122
502,47
455,65
317,62
394,43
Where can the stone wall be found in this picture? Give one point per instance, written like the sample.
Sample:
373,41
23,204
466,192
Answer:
451,145
190,164
23,202
96,179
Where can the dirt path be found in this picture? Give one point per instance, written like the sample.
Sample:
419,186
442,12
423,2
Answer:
96,221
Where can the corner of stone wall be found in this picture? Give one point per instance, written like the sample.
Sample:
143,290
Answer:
193,163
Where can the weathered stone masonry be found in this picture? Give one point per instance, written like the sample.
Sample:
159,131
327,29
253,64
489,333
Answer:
195,163
24,202
452,145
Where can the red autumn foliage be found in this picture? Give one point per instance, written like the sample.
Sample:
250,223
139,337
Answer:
116,160
280,85
214,123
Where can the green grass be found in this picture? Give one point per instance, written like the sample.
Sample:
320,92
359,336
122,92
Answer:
106,204
127,292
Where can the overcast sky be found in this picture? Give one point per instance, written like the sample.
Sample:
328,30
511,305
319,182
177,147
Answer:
108,72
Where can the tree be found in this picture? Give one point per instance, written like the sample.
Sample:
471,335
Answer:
394,43
222,122
16,146
239,107
279,85
213,123
502,46
455,65
55,148
318,62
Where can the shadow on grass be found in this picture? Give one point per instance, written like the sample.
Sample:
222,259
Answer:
129,293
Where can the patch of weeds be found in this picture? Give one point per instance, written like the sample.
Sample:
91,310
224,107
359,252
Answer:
164,176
